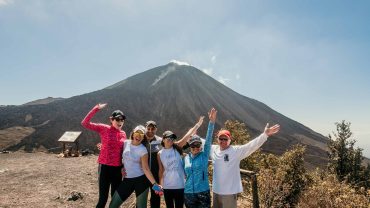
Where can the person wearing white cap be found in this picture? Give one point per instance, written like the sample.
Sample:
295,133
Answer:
138,175
226,183
153,145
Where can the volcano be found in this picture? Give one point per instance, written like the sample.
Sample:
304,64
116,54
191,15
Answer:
173,95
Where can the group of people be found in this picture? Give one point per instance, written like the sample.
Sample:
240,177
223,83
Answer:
146,162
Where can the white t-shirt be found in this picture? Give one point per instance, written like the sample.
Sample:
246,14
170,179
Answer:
131,159
173,175
226,165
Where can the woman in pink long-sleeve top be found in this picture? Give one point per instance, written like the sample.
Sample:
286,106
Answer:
110,157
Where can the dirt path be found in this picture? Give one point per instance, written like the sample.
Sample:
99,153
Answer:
45,180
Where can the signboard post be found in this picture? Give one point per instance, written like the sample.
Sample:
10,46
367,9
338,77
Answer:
70,137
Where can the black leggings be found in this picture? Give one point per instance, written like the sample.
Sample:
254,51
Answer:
108,176
172,196
128,185
155,199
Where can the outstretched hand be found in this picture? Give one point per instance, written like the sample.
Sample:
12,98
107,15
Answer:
102,105
200,121
212,114
271,130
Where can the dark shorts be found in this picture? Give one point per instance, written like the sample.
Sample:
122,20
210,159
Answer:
201,199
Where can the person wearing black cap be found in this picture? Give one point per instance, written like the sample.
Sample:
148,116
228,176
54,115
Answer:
110,159
171,170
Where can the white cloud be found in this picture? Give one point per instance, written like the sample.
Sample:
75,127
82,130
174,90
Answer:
237,76
180,63
223,80
208,71
5,2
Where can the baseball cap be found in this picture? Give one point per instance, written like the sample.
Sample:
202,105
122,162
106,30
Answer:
153,123
169,134
224,133
118,114
195,138
139,128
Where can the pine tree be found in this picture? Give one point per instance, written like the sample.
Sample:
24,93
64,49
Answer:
365,177
355,175
344,159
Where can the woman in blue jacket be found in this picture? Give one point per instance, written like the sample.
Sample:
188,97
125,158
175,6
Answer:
196,193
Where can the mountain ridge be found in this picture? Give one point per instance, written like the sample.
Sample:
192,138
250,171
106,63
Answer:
173,95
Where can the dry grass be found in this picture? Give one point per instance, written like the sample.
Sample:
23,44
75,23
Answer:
328,192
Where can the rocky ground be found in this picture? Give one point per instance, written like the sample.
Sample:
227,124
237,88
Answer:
46,180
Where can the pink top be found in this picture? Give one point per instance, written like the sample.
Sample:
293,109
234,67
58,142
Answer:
111,139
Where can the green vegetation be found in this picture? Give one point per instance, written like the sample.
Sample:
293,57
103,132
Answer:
345,160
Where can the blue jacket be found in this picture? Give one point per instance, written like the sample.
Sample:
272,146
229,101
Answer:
196,168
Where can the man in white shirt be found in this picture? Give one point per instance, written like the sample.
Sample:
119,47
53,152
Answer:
226,159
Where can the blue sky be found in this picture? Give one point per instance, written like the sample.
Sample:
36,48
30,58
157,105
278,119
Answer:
306,59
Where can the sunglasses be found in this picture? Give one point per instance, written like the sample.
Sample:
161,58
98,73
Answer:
195,145
223,139
172,137
119,119
138,134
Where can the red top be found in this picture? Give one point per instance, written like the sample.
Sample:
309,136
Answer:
111,139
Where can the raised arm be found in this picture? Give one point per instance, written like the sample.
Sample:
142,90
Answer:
191,132
86,121
212,114
247,149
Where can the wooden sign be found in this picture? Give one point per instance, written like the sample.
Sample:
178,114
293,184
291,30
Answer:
69,136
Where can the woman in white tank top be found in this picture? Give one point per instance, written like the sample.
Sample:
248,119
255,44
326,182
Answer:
171,169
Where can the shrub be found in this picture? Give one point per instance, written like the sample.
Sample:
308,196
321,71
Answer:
283,179
329,192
